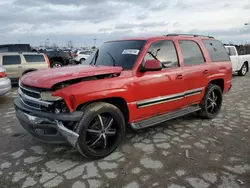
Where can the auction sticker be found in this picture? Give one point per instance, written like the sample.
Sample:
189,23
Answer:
131,51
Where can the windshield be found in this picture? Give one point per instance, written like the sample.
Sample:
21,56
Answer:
118,53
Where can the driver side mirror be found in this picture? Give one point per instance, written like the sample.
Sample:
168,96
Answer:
151,65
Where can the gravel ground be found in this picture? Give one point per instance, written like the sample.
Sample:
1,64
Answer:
186,152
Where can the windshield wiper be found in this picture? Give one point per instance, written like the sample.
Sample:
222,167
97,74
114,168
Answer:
113,59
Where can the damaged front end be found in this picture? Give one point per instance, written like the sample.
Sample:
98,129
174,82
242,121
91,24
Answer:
46,117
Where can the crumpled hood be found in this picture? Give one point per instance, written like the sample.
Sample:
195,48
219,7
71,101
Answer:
49,77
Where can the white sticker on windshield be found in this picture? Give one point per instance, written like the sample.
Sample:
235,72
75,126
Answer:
131,51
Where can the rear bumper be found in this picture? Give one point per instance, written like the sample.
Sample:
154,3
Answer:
5,86
47,127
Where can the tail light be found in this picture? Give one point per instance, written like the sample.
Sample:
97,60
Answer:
47,60
70,54
75,55
3,74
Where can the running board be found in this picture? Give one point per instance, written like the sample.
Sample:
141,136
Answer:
164,117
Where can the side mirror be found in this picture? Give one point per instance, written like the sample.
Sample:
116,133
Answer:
151,65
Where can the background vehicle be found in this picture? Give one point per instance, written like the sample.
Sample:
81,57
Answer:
18,64
139,82
58,57
5,84
240,63
15,48
80,56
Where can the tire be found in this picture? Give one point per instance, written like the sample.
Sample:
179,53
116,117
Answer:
209,110
243,70
56,64
82,60
89,130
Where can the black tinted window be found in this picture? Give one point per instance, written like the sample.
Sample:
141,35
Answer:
34,58
118,53
11,60
191,53
165,52
216,50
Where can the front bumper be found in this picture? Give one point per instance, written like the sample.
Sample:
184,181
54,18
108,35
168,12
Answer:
5,86
47,127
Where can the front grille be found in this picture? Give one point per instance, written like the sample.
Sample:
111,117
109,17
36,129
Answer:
31,98
29,93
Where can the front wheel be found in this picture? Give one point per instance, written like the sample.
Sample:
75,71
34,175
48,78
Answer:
243,70
101,130
82,60
211,103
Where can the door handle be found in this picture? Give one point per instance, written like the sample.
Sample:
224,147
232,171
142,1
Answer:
205,72
179,77
20,66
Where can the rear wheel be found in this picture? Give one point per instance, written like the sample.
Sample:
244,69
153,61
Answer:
211,103
101,130
56,64
243,70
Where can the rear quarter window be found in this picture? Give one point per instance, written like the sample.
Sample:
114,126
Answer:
11,60
216,50
34,58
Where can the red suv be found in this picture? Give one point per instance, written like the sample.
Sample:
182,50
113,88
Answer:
139,82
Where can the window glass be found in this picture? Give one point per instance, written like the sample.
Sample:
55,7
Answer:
11,60
117,53
34,58
232,51
165,52
191,53
216,50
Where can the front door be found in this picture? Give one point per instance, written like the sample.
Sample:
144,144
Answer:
157,92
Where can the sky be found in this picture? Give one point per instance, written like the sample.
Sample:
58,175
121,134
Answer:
82,21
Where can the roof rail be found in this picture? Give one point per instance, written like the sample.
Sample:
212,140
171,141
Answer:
192,35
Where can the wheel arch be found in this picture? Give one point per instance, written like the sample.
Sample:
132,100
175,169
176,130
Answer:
219,82
119,102
28,70
246,62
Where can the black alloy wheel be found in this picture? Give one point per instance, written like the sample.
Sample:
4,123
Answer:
101,130
212,102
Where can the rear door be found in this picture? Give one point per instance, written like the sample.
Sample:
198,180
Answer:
195,70
13,66
34,61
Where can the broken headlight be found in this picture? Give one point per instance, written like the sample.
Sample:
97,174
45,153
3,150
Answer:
47,96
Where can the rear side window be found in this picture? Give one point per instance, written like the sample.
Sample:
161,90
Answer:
232,51
216,50
34,58
165,52
11,60
191,53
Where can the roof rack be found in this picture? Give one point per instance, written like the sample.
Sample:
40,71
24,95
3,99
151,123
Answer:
192,35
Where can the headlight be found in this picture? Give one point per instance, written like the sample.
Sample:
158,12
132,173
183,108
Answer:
47,96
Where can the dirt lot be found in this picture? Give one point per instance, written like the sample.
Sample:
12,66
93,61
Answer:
187,152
